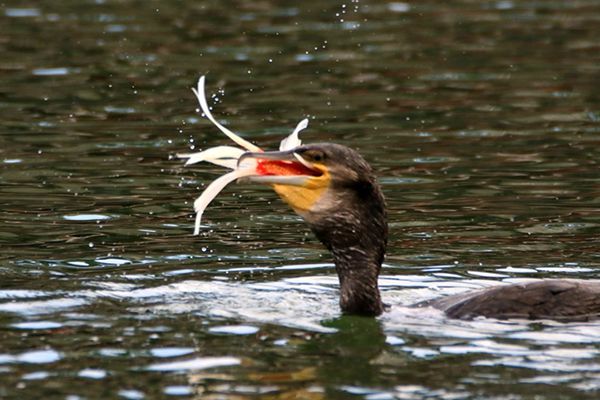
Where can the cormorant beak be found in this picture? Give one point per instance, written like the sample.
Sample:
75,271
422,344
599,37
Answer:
298,182
280,168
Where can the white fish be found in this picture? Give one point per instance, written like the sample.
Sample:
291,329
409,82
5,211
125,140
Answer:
227,156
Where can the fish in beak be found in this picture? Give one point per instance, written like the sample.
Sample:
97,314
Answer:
294,178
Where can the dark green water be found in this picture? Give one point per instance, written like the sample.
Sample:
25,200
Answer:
482,119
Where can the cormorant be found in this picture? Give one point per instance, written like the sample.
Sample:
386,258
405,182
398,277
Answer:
336,192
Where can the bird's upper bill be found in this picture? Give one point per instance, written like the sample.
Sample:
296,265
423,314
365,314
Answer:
285,169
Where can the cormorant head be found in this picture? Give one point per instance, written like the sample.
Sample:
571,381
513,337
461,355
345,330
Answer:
314,178
335,190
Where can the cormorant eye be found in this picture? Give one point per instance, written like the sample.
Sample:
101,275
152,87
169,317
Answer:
317,156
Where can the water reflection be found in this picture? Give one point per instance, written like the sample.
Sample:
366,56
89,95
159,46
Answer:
358,341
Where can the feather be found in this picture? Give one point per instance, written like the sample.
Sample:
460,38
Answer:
292,141
225,156
214,189
200,94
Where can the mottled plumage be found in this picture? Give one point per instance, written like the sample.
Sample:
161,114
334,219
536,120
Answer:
557,299
350,220
344,206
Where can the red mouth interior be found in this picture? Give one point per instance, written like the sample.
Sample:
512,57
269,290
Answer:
276,167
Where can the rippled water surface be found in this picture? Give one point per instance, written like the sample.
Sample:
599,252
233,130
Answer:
482,119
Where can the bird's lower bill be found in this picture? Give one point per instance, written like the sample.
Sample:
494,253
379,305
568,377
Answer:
298,185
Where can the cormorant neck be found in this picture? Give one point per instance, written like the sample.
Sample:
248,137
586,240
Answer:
355,232
358,272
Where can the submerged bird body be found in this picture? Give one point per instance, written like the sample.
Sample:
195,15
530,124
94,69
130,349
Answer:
556,299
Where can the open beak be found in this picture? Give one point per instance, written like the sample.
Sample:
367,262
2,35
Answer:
280,168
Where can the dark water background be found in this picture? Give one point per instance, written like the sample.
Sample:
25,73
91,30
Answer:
482,119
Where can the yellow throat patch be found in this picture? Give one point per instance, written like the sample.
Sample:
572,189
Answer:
303,198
